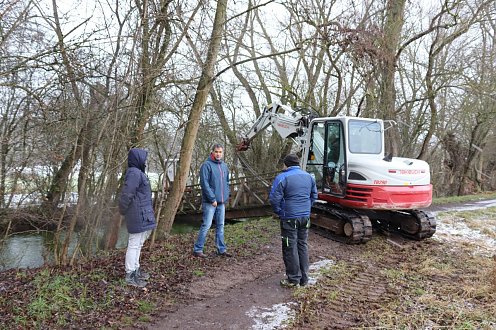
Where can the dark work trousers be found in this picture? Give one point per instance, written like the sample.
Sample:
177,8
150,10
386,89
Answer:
294,234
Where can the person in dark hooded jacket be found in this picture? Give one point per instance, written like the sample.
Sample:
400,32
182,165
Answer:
135,204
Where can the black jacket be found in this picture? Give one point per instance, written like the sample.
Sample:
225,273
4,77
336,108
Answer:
135,202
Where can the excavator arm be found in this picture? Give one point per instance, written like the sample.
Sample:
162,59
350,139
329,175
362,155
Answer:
287,122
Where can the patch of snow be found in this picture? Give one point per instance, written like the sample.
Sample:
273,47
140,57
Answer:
314,272
456,230
470,206
275,316
271,318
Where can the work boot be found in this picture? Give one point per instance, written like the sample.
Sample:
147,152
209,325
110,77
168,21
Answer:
285,283
133,280
142,275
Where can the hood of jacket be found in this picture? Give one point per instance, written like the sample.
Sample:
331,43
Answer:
137,158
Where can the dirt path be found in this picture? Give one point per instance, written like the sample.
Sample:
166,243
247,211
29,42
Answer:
237,297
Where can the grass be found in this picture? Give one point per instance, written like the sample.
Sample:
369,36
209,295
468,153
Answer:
428,284
250,235
93,294
55,297
483,220
461,199
198,272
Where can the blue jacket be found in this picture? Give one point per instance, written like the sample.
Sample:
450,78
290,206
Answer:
293,193
214,181
135,202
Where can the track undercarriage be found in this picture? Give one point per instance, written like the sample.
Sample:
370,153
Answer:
353,226
345,225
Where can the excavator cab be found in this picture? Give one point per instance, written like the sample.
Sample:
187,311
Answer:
335,160
327,157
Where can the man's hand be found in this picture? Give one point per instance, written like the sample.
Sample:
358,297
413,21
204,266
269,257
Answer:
214,204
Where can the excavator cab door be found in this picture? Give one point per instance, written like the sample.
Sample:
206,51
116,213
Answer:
326,157
334,170
315,156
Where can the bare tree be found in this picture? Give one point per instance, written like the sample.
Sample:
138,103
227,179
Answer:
191,130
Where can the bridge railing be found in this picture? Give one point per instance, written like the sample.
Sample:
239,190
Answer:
246,193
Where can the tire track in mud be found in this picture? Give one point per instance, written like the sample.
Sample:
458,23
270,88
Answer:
364,291
365,287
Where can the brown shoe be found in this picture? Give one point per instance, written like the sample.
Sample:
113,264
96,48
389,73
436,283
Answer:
225,254
199,255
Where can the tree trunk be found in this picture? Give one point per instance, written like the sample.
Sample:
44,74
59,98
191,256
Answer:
191,131
392,32
60,179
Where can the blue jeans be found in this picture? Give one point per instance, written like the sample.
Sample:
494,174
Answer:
209,213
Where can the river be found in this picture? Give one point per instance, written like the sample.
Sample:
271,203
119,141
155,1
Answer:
31,250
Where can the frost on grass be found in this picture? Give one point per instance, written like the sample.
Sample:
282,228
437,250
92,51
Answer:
467,231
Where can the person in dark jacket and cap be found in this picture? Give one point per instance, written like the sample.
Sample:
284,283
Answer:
135,204
292,195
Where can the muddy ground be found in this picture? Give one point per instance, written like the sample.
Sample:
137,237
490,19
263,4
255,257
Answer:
444,282
387,283
224,298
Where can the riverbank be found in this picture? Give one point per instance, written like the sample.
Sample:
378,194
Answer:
93,294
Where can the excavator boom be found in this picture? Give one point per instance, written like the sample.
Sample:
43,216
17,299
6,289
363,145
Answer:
287,122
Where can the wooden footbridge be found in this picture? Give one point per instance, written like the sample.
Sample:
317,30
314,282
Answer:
249,198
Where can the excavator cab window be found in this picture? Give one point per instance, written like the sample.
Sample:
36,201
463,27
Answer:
365,137
334,170
326,157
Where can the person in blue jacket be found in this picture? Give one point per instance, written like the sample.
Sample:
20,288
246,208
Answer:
135,203
214,181
292,195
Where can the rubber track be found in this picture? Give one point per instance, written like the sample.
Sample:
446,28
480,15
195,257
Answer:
362,227
427,225
425,221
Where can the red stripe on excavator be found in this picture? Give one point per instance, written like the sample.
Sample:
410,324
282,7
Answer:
383,197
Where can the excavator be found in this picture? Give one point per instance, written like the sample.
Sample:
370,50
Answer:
359,187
